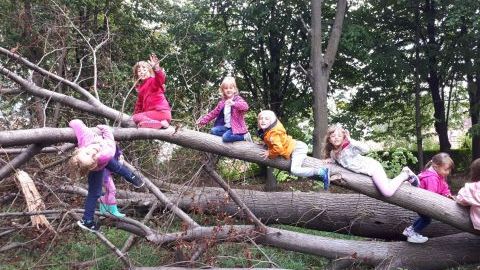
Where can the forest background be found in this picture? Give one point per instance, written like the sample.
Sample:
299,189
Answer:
406,73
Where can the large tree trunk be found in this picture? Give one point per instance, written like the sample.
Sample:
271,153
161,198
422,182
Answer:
441,125
342,213
387,255
321,68
441,208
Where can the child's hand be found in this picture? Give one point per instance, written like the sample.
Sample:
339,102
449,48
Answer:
154,62
264,154
328,161
229,102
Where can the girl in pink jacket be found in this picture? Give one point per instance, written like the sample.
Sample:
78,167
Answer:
433,178
152,109
229,114
95,155
469,195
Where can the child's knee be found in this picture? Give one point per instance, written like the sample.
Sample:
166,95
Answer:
388,193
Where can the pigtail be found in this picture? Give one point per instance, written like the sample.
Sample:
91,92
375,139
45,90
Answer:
441,159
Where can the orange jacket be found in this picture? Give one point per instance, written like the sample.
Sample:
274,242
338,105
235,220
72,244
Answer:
278,142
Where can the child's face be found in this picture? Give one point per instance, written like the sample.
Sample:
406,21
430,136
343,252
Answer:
336,138
89,154
264,121
443,170
143,72
229,90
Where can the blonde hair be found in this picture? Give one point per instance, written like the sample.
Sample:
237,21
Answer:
439,160
327,145
269,113
228,80
76,167
141,64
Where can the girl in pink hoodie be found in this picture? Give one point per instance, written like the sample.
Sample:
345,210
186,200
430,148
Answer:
433,178
469,195
152,109
229,114
95,155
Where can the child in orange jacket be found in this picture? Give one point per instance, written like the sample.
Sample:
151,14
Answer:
279,143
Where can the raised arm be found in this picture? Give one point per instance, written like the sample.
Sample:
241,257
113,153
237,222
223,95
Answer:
240,104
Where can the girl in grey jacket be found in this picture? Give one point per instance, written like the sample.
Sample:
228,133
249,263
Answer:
339,147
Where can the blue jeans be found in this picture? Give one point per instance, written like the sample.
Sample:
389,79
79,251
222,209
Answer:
422,222
226,134
95,181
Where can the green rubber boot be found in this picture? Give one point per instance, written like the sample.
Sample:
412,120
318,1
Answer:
114,211
110,209
104,208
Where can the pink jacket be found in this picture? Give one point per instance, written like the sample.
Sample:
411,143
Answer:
151,94
432,181
86,136
469,195
237,121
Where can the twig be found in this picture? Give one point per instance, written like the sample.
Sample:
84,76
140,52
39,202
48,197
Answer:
207,167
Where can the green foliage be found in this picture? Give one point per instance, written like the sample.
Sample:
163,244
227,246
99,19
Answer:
394,161
283,176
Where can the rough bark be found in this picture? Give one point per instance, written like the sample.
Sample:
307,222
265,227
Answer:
342,213
449,250
321,68
441,208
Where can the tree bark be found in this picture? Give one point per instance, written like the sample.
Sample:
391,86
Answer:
342,213
441,125
441,208
321,68
449,250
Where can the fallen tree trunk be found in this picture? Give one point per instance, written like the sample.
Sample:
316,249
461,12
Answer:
342,213
439,207
449,250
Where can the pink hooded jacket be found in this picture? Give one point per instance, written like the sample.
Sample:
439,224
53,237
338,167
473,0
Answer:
239,108
86,136
469,195
151,94
432,181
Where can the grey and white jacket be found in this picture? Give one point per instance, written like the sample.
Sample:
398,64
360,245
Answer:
351,157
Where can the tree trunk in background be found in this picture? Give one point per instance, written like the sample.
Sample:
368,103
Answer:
418,115
270,180
432,49
34,52
321,68
473,90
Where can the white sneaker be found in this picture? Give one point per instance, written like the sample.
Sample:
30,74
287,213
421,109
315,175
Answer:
417,238
408,231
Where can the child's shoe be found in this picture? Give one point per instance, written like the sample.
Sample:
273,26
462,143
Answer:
417,238
247,137
324,173
150,124
136,181
408,231
89,225
412,178
110,209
